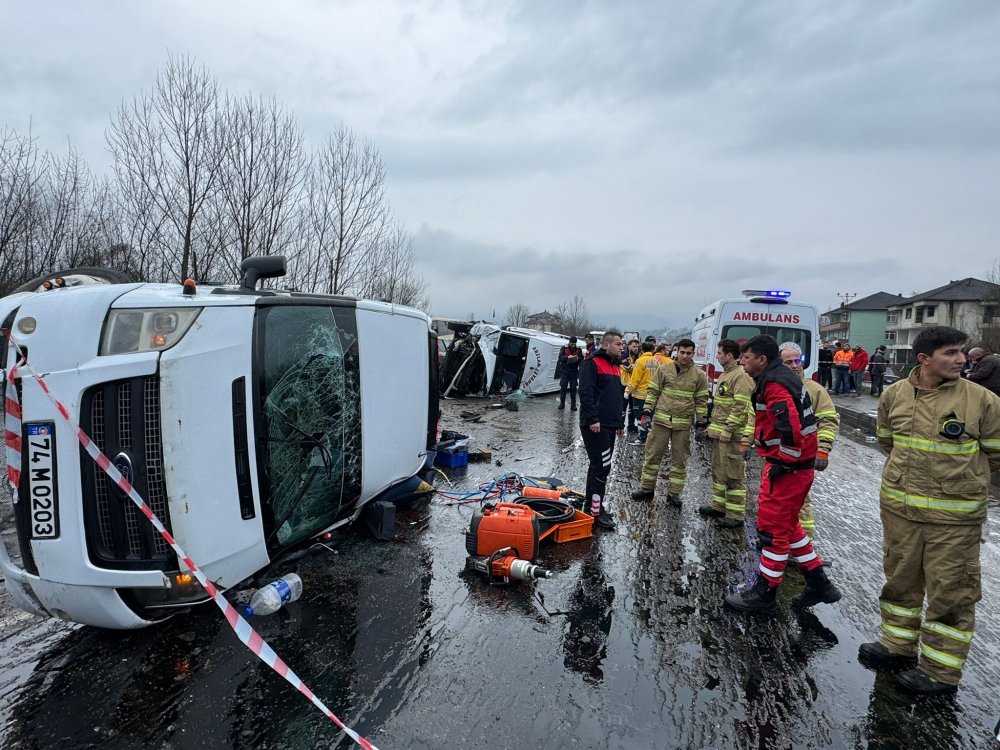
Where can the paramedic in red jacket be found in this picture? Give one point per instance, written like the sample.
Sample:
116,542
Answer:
785,437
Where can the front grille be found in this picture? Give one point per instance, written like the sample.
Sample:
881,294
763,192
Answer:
123,420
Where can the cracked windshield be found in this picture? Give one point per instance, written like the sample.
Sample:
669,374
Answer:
312,417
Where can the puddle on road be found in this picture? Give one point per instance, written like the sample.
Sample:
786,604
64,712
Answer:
628,646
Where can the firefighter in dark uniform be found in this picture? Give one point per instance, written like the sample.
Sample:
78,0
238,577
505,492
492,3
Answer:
601,420
569,369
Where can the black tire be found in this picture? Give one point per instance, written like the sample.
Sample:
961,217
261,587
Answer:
103,275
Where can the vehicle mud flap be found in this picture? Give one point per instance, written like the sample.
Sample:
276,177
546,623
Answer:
380,518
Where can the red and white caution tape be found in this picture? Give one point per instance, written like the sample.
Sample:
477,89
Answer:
250,637
12,433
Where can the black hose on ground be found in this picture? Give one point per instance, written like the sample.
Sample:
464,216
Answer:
549,511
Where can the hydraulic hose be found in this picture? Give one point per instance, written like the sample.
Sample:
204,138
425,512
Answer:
549,511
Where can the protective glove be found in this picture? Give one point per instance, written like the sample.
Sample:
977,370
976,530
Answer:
822,461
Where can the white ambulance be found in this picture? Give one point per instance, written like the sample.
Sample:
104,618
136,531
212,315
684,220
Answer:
757,311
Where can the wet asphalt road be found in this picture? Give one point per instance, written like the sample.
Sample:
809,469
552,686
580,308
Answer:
627,647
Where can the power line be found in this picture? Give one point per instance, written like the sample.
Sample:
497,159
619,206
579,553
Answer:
845,298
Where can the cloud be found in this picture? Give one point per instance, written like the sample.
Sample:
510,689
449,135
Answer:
650,156
467,276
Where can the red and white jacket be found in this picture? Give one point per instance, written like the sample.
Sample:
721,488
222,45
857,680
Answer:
785,427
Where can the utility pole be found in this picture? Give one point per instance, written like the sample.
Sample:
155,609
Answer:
845,298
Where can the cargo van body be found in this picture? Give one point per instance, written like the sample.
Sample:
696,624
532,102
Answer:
491,360
250,423
740,318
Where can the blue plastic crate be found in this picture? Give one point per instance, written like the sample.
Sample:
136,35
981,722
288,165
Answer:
452,460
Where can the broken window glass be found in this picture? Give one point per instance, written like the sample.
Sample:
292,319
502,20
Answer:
312,418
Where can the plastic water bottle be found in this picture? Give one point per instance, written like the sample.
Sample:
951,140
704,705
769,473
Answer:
270,598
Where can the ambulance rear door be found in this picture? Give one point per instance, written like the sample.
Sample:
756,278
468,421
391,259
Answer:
797,322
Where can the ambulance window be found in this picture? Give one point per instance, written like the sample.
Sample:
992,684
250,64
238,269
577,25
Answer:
800,336
311,407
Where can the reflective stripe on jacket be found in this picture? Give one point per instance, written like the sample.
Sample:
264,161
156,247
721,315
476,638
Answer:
928,476
675,397
732,409
642,372
827,419
842,358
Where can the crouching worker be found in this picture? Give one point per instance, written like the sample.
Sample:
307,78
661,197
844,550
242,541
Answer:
601,420
942,435
785,437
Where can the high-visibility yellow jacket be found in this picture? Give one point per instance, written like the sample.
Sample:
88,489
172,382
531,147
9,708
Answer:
675,396
928,476
627,366
827,419
732,410
642,371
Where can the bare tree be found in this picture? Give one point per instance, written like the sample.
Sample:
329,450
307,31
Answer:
988,334
21,173
516,315
573,316
259,180
169,148
345,217
390,275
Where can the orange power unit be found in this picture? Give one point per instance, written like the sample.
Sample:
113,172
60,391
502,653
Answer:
503,525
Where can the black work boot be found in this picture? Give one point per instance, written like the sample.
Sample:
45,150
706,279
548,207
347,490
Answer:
643,494
877,654
731,523
918,681
562,403
605,520
759,599
711,510
674,499
818,589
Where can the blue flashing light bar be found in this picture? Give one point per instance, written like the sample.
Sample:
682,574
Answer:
772,293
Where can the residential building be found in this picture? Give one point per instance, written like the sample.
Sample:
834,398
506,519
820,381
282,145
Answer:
970,305
860,322
543,321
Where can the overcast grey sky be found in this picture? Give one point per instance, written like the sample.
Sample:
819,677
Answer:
650,156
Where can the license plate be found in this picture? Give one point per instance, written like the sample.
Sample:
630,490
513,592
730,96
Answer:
39,457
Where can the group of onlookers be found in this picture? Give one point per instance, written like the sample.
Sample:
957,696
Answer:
841,368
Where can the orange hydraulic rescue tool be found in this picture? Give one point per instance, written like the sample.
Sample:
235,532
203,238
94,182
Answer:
501,541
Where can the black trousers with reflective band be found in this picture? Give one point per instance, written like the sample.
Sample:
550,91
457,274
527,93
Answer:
600,447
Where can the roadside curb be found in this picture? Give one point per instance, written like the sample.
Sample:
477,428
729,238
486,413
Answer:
859,413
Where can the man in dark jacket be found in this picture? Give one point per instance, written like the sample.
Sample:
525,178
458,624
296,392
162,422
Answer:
876,367
569,368
826,365
985,369
601,420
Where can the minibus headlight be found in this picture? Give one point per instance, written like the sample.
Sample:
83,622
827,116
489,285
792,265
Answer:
146,330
